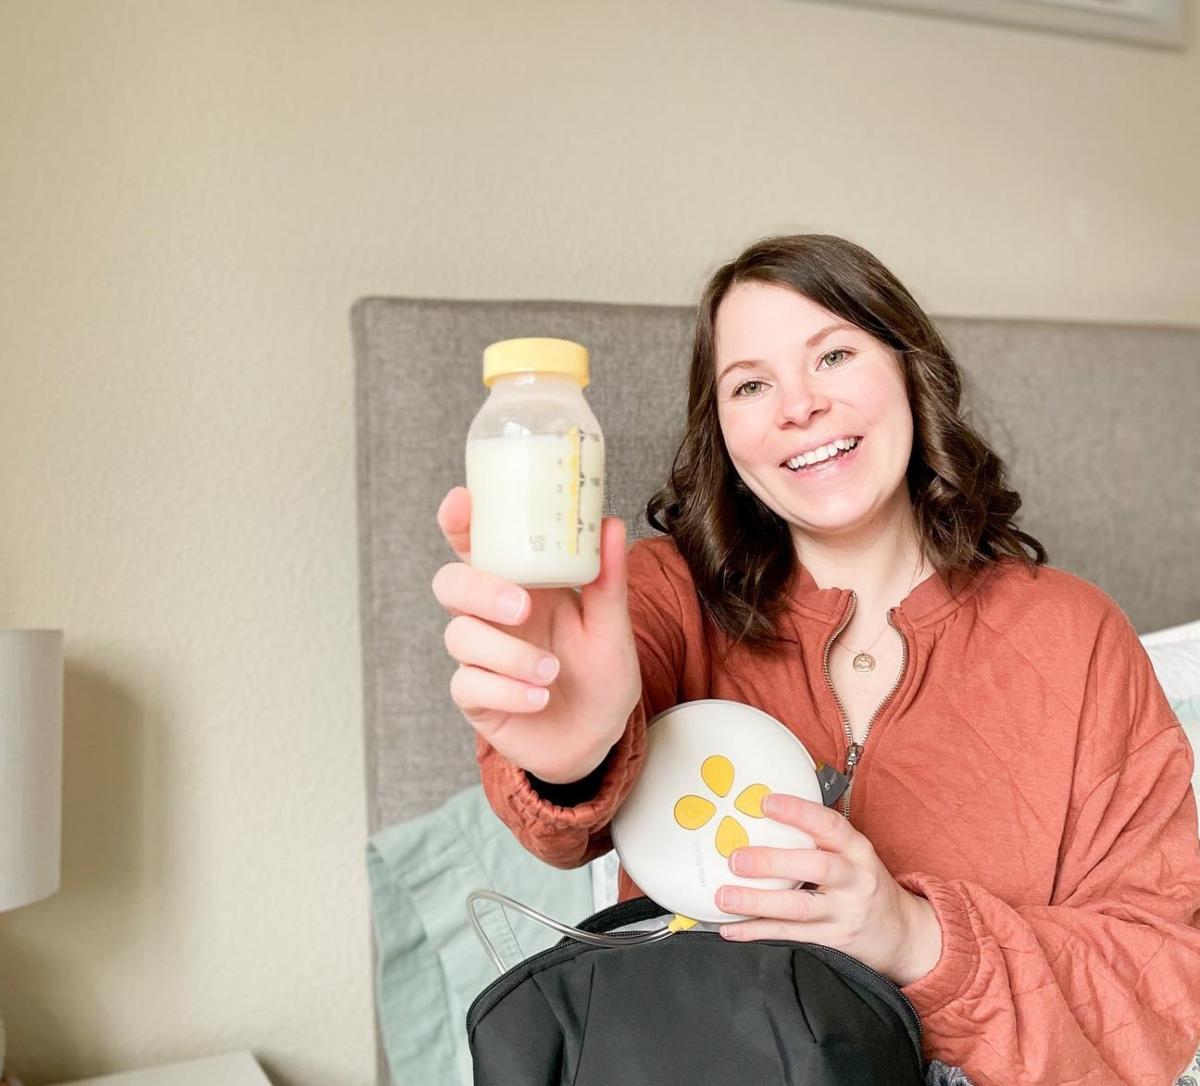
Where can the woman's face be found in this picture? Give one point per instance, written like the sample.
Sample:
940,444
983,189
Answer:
803,390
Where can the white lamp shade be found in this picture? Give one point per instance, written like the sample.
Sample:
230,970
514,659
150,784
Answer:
31,699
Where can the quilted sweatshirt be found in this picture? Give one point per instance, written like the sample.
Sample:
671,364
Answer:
1026,776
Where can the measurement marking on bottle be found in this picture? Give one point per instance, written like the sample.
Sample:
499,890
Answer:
576,475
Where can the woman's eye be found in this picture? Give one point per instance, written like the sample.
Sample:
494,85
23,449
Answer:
737,392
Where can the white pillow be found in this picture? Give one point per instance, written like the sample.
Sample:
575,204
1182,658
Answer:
1189,631
1175,655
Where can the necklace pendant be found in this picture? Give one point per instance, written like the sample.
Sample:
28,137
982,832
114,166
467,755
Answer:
864,662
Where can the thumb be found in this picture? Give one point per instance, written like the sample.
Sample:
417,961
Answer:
605,600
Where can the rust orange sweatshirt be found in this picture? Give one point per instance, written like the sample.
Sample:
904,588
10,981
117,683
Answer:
1027,776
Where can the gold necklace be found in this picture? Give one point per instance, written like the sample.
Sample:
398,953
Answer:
863,661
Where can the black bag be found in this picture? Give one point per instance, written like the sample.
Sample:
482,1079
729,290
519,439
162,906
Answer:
691,1008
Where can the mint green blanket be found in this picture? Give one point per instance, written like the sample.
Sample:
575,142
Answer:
431,965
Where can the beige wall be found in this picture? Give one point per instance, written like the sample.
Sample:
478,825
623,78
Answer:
191,196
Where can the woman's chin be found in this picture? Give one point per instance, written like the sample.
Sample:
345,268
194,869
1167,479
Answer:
832,520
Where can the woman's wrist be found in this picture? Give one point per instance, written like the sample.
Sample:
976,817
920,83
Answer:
924,943
568,793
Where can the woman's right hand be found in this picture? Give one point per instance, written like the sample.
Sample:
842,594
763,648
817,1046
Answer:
597,682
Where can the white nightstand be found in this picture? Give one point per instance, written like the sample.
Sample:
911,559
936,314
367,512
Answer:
235,1069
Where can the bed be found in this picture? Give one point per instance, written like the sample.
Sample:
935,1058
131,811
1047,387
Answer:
1096,422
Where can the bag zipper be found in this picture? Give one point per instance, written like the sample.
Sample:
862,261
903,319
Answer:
638,908
643,908
918,1038
916,1033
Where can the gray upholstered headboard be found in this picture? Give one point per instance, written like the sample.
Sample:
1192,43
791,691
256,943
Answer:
1097,424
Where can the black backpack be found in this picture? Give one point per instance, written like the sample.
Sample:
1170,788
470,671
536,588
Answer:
694,1009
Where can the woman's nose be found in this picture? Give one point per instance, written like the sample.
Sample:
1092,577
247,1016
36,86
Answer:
800,402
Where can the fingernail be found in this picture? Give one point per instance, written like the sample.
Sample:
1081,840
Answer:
538,697
727,898
740,862
547,667
509,603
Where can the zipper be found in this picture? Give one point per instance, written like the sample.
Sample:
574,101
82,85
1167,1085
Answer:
854,751
614,916
637,909
855,963
505,979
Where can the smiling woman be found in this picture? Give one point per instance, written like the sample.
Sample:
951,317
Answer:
802,342
1015,841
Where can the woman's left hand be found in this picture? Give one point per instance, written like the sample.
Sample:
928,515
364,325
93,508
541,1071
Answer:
858,907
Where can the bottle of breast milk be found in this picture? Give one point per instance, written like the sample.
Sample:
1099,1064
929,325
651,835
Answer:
535,467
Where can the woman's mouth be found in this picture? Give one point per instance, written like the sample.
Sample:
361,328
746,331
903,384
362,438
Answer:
828,468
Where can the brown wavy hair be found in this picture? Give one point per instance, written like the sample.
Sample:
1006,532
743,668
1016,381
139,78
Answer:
741,553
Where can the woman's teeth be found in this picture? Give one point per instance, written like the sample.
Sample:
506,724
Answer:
817,456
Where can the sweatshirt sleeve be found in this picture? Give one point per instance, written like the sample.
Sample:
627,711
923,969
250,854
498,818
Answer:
1101,986
567,825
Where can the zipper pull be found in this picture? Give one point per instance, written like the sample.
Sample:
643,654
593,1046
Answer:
852,757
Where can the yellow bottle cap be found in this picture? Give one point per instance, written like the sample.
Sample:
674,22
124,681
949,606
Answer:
536,355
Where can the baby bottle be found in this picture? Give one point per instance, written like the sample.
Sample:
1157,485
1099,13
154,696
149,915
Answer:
535,467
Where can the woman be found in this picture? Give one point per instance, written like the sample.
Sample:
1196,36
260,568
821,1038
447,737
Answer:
1017,845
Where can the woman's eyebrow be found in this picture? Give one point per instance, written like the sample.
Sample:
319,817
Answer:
812,341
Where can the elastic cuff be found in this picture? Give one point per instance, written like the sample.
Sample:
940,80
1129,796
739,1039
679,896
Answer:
576,792
960,949
623,762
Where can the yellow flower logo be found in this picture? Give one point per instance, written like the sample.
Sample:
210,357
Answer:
693,812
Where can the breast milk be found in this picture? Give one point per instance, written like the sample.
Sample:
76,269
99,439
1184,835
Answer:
536,506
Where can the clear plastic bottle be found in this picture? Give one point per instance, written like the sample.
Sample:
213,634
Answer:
535,467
